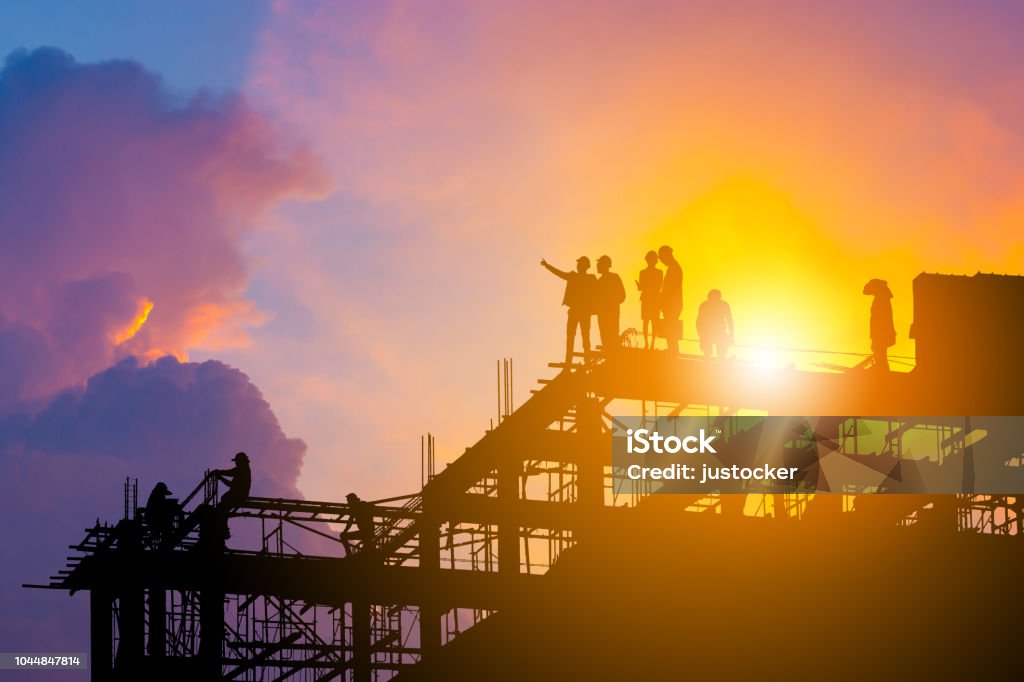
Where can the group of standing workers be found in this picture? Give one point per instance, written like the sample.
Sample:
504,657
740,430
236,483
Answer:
661,305
586,296
661,298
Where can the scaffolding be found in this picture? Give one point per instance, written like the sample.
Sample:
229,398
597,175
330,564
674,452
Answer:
284,601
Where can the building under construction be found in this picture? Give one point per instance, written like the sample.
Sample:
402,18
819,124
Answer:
527,558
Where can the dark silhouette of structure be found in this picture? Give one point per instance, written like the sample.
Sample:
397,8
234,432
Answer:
361,516
649,286
579,298
969,325
610,295
525,558
671,299
714,325
883,331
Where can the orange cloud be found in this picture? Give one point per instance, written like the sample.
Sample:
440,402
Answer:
125,334
789,151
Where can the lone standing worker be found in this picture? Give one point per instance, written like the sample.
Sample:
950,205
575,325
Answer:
610,295
579,299
649,285
238,479
714,325
883,331
671,298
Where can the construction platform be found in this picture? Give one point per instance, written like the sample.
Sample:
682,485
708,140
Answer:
525,559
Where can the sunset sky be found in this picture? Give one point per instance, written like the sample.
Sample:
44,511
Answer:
348,203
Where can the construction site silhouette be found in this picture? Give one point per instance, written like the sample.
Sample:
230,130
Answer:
523,560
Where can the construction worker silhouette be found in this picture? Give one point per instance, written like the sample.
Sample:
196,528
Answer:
714,325
238,479
161,511
610,295
579,299
649,285
671,299
883,331
361,516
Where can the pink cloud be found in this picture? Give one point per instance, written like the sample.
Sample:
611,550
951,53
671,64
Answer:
125,215
472,138
579,116
118,194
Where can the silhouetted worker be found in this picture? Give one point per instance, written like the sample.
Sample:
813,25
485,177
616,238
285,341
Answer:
579,298
161,511
671,298
239,480
610,295
360,515
883,331
649,285
714,325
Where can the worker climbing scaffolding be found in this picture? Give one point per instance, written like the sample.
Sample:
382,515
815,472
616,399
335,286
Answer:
239,481
361,517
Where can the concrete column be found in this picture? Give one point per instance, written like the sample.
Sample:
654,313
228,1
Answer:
590,471
131,624
508,524
361,640
157,602
211,632
211,598
430,564
101,644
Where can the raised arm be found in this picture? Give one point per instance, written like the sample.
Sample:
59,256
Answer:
553,270
226,475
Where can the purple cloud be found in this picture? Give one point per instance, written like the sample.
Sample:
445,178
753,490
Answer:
62,468
118,196
125,210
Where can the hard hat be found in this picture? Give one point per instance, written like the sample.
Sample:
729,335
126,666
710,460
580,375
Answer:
877,287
